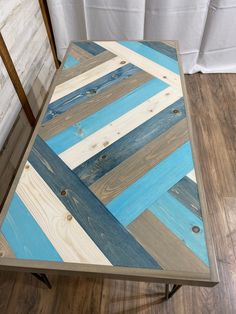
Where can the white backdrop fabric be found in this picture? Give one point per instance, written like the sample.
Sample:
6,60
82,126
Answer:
205,29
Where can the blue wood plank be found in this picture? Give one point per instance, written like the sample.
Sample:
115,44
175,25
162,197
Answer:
25,237
97,166
129,204
90,47
79,131
70,62
186,192
162,48
180,220
80,95
116,243
153,55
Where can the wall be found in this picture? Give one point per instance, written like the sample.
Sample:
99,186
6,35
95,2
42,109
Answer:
23,30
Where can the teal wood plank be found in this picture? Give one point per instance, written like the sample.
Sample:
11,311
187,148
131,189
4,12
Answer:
24,236
90,47
98,165
138,196
162,48
116,243
81,94
76,133
70,62
153,55
186,192
180,220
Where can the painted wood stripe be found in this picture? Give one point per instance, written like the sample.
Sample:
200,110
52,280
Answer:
84,128
170,252
70,62
66,235
110,157
110,236
186,192
153,55
93,104
24,236
129,204
82,94
119,178
96,142
79,53
90,47
87,77
191,175
162,48
83,66
5,250
147,65
180,220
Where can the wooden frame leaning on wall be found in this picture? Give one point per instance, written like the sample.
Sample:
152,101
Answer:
5,55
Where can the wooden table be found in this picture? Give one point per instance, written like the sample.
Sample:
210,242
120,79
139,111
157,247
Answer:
107,186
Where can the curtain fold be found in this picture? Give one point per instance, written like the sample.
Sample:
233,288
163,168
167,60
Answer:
206,29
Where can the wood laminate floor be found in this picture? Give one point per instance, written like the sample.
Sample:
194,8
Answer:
213,105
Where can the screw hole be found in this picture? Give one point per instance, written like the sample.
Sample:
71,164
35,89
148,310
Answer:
104,156
63,192
195,229
123,62
175,111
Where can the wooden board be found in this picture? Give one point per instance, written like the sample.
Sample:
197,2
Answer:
110,171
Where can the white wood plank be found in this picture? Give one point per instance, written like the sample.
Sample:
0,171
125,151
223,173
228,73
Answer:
144,63
66,235
191,175
97,141
87,77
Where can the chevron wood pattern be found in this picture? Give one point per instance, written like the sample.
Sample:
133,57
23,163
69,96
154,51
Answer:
110,179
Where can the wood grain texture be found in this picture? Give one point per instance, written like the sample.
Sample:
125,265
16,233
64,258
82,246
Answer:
24,235
5,250
111,156
121,248
66,235
212,100
187,193
31,54
157,239
151,186
48,25
12,152
92,104
118,128
161,47
83,65
86,78
154,55
159,275
90,47
119,178
89,90
180,220
7,60
147,65
105,116
79,53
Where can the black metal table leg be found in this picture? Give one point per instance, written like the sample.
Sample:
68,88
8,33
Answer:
169,293
43,278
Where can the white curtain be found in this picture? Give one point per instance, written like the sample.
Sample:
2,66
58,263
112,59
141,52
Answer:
206,29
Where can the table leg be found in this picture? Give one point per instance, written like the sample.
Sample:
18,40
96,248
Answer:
169,293
43,278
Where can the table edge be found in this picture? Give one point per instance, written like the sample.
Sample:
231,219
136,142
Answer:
106,271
